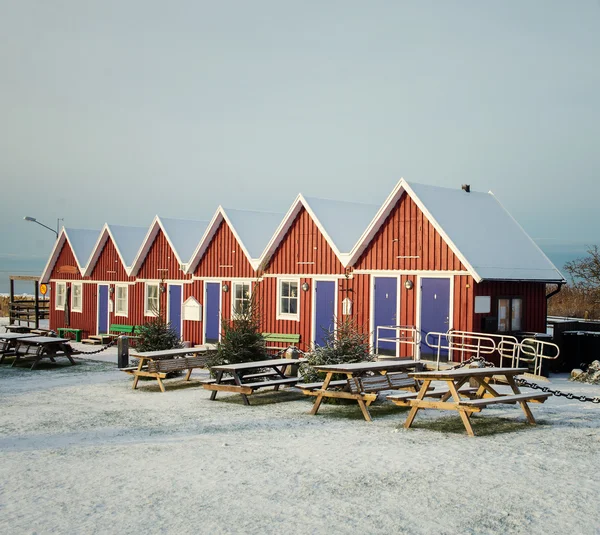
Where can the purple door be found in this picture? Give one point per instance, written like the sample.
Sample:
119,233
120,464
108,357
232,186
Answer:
175,308
324,311
102,309
435,314
212,318
385,305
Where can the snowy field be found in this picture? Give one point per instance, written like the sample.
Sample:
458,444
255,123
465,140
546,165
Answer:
81,452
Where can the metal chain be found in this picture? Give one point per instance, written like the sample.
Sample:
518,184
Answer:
558,393
523,382
110,344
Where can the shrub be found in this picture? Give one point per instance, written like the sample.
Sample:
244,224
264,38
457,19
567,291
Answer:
242,340
347,344
157,334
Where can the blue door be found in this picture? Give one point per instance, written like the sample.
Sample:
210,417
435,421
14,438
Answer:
102,309
324,311
435,315
385,291
212,316
175,308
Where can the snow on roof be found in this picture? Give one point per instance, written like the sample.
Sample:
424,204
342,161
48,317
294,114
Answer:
485,235
344,222
82,243
183,235
127,240
253,229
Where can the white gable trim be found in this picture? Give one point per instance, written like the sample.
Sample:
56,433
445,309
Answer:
100,242
53,256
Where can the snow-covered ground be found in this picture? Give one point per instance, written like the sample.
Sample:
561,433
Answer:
81,452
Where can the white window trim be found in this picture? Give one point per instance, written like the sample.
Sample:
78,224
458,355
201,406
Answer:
233,285
150,313
73,307
64,295
126,287
280,315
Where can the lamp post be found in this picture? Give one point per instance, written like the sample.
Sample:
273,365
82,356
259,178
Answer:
34,220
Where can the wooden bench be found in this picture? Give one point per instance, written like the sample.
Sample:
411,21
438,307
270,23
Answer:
377,383
277,338
318,386
62,331
403,399
512,398
248,388
114,331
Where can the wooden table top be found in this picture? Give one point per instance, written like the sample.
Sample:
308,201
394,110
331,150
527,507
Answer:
467,372
14,336
40,340
167,352
376,366
257,364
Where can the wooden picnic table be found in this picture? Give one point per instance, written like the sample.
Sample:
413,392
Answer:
383,375
158,364
36,348
468,401
13,328
8,342
245,378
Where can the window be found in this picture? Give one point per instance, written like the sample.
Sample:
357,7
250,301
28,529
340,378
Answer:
241,298
121,305
152,303
288,299
510,314
61,293
76,296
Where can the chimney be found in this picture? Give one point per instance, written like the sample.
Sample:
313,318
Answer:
467,187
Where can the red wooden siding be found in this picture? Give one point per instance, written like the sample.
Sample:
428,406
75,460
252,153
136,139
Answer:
224,257
304,250
464,303
408,233
66,258
109,266
534,302
161,262
193,330
84,320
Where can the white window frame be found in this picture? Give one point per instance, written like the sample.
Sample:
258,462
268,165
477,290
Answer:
234,285
147,310
122,313
74,306
284,315
62,296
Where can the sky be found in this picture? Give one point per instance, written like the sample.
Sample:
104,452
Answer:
114,111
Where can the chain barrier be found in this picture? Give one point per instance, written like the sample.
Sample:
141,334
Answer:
107,346
522,382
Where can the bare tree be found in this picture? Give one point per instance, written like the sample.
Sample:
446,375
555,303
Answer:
585,272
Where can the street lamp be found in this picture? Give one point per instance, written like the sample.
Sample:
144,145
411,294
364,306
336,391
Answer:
34,220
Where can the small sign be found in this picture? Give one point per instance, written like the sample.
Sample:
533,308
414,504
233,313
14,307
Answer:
43,289
68,269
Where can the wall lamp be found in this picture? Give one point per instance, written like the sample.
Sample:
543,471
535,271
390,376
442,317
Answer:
305,286
408,284
225,288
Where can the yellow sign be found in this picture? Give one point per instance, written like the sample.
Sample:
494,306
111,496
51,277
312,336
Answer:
43,289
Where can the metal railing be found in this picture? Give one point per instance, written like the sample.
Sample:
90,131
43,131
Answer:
465,343
535,351
507,346
401,334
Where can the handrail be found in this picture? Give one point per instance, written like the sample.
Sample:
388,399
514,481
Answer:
534,348
405,334
462,342
506,345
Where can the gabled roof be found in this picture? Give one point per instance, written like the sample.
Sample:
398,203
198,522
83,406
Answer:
127,241
81,242
251,229
483,235
182,235
341,223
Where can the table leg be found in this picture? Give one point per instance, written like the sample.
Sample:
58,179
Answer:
137,377
415,408
237,380
484,386
464,416
213,394
319,399
524,406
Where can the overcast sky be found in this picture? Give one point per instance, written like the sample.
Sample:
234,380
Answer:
118,110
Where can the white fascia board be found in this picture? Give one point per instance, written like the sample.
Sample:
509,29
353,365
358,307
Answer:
238,239
445,237
204,242
117,248
100,242
53,256
179,261
145,247
380,217
564,280
79,266
281,231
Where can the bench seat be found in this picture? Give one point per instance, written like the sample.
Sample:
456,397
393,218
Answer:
318,386
513,398
250,376
433,393
377,383
249,388
62,331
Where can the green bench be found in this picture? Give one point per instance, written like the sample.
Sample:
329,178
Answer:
62,331
118,329
277,338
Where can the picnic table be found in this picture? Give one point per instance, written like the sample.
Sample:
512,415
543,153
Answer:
245,378
35,348
14,328
364,380
8,342
158,364
466,401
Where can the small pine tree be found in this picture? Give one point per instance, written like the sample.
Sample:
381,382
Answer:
242,340
157,334
347,344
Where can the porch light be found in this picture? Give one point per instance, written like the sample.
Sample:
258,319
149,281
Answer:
408,284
